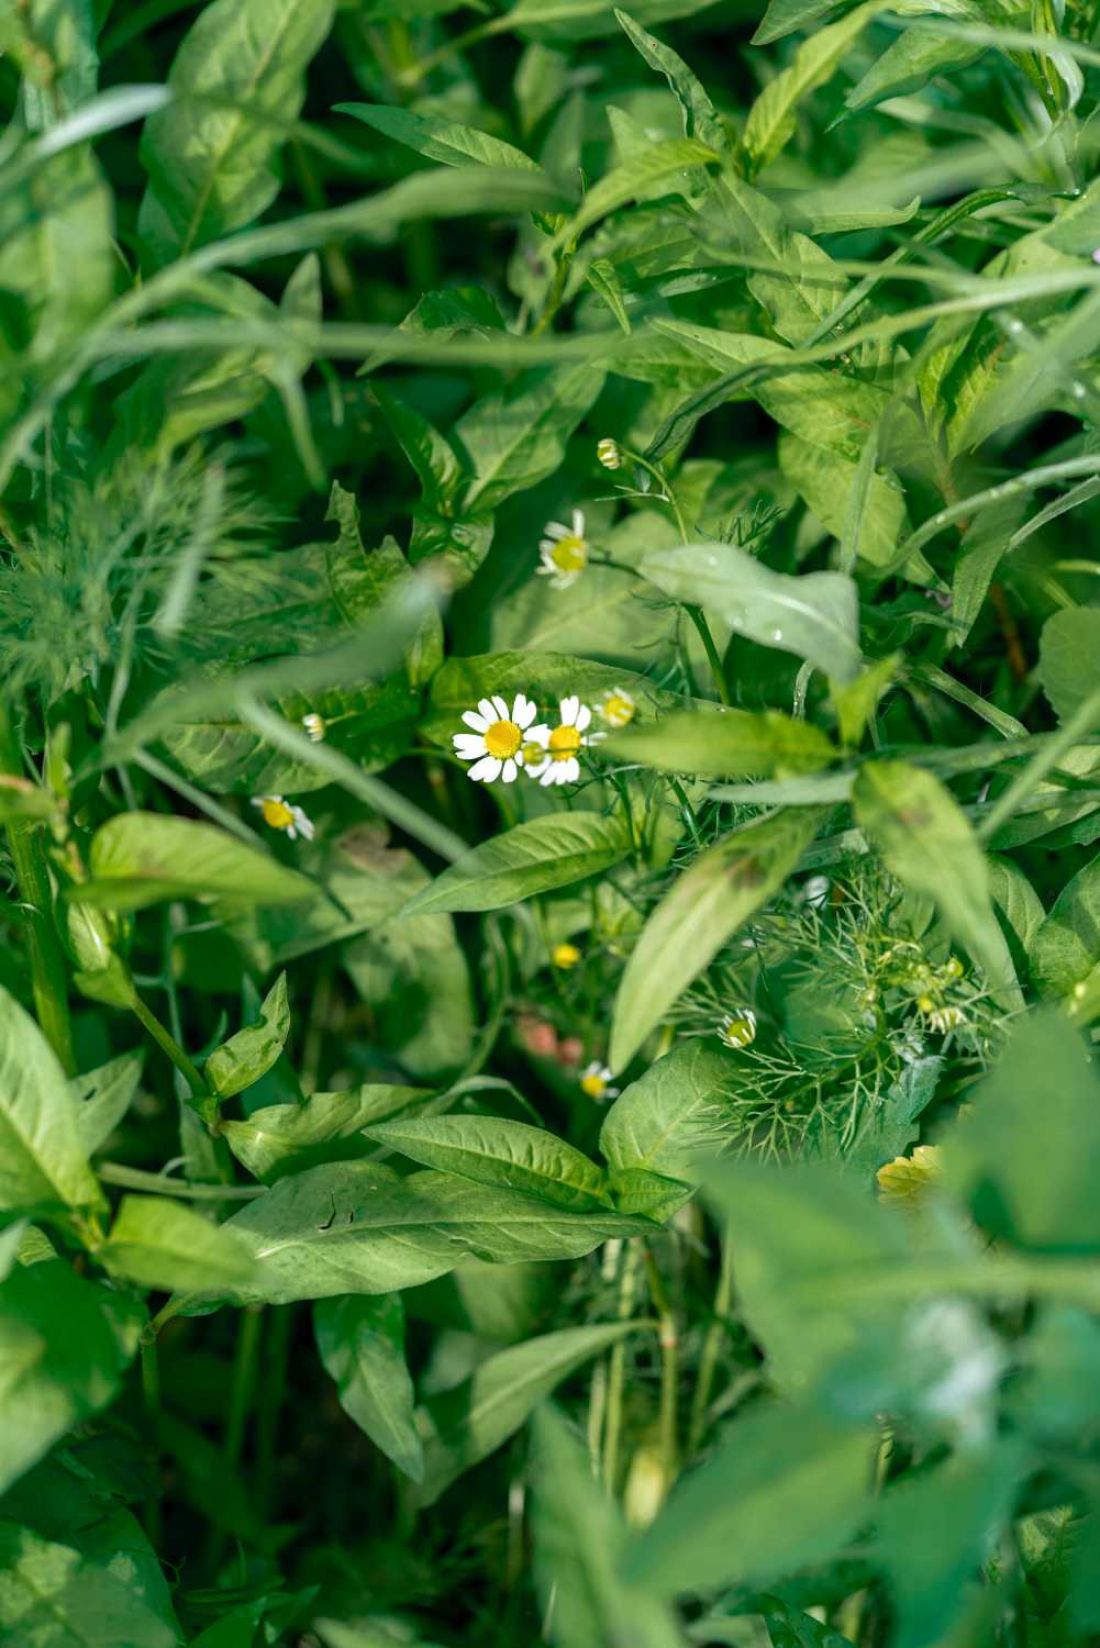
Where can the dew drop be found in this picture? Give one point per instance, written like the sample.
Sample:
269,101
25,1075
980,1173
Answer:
777,635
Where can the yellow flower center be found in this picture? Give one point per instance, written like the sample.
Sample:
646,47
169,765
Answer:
570,554
594,1086
564,742
276,813
503,739
565,955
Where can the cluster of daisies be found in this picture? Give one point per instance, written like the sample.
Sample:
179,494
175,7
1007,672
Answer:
504,738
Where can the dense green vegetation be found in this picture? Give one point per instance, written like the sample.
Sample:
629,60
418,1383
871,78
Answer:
549,722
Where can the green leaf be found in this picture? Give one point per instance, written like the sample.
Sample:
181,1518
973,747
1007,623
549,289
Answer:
144,858
238,85
510,442
326,1127
362,1345
64,1344
704,908
701,118
43,1161
908,64
815,615
493,1151
771,120
1066,946
633,178
250,1054
784,1489
439,139
354,1227
1069,658
784,17
465,1425
579,1538
826,478
158,1243
673,1115
51,1596
56,257
552,851
1024,1154
103,1097
726,744
925,840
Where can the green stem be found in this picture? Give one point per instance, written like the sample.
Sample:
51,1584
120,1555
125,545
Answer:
170,1046
163,1184
616,1368
712,1345
49,978
244,1380
713,658
1082,721
150,1390
668,1338
272,1394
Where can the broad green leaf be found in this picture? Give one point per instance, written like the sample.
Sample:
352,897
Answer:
784,17
354,1227
52,1596
238,84
512,441
826,478
672,1116
158,1243
635,177
1066,945
1024,1153
103,1097
704,908
438,139
580,19
53,44
43,1160
490,1150
908,64
144,858
1069,658
64,1344
726,744
784,1489
579,1537
701,118
925,839
815,615
552,851
808,285
57,262
771,120
361,1341
464,1425
248,1055
326,1127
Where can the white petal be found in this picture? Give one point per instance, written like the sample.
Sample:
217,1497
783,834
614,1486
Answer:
547,569
539,734
549,775
555,531
567,709
578,523
488,713
472,719
509,773
469,745
520,708
562,580
584,716
570,770
486,770
535,769
501,706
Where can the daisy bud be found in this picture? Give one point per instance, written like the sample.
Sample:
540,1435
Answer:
610,454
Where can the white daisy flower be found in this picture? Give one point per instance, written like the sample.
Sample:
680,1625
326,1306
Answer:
279,814
737,1030
595,1080
314,725
617,707
564,551
496,745
556,761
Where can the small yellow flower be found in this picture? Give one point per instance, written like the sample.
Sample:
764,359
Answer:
496,746
738,1029
610,454
279,814
925,1005
595,1080
617,708
564,551
954,968
314,725
907,1180
565,956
